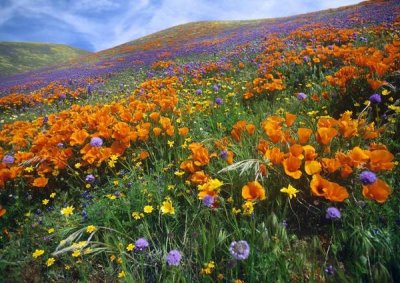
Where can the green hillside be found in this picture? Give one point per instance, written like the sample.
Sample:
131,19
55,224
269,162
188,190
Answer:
18,57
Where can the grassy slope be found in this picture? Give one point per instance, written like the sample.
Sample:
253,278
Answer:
18,57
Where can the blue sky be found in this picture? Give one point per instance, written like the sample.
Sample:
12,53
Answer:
100,24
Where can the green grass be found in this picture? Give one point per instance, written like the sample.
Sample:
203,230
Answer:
19,57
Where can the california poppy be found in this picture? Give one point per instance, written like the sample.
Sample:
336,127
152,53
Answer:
253,191
378,191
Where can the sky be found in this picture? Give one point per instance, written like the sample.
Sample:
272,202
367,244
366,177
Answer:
96,25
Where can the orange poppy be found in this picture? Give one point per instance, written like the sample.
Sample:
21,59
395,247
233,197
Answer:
312,167
183,131
330,164
309,152
199,154
144,154
292,165
2,211
253,191
198,178
381,160
274,155
329,190
289,119
303,135
78,137
378,191
188,166
358,156
325,135
296,150
157,131
40,182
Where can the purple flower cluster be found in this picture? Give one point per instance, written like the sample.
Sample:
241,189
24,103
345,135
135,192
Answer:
96,142
240,250
375,98
8,159
141,244
367,177
208,201
332,213
90,178
301,96
173,258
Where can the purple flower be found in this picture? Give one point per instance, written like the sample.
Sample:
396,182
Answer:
306,59
8,159
329,270
208,201
301,96
60,145
90,178
215,88
96,142
173,258
375,98
141,244
332,213
219,101
239,250
367,177
223,154
63,96
45,120
199,91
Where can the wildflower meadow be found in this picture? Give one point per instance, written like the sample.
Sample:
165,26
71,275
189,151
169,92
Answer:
249,151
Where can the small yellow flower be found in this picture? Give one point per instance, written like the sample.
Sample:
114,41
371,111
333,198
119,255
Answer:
67,267
130,247
67,211
291,191
235,210
148,209
179,173
385,92
76,253
38,253
171,143
137,215
121,274
116,183
170,187
29,169
167,207
91,229
248,208
87,251
50,261
51,230
112,258
45,201
52,195
220,277
78,165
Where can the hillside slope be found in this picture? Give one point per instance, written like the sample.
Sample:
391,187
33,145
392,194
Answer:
18,57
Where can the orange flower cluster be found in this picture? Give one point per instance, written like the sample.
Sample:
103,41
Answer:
66,135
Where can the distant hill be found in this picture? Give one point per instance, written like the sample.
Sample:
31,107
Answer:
19,57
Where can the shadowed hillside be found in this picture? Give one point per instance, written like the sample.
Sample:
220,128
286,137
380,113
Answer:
19,57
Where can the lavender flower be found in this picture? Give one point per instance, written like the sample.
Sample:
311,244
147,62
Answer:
90,178
8,159
96,142
219,101
173,258
301,96
208,201
215,88
141,244
199,91
223,154
367,177
375,98
239,250
332,213
329,270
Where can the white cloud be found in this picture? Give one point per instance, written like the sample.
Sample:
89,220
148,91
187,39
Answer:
117,22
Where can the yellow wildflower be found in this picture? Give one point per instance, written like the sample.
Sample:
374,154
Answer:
130,247
148,209
50,261
45,201
67,211
167,207
91,229
38,253
291,191
51,230
52,195
121,274
76,253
